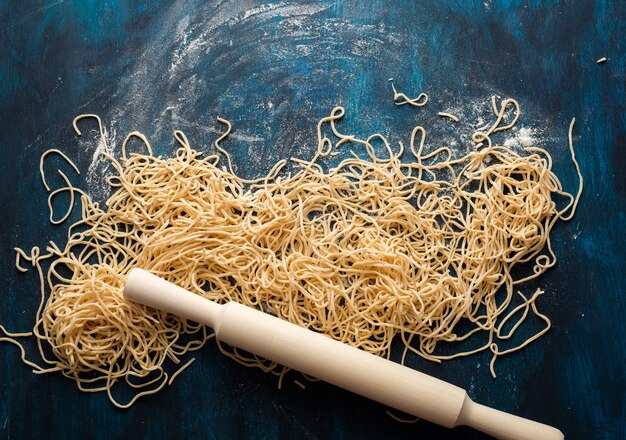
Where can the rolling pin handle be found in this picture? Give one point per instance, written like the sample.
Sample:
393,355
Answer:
504,426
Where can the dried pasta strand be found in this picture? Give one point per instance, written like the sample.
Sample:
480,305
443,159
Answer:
401,99
180,370
42,160
449,116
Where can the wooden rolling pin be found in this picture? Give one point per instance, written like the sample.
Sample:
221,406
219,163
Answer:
320,356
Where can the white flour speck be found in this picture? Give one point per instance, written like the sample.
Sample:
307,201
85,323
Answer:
274,10
524,137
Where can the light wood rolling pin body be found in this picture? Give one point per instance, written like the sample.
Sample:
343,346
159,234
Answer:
332,361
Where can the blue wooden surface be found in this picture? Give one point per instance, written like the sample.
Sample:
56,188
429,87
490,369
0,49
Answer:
274,71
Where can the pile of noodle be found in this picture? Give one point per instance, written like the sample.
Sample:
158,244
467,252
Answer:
410,245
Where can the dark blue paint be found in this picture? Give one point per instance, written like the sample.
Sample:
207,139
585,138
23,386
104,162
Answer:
58,59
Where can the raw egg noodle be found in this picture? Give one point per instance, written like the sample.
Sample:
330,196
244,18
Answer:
411,244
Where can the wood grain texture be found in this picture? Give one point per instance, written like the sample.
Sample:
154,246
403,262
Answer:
274,70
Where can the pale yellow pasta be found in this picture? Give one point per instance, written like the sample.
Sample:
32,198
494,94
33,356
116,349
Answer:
373,249
400,98
450,116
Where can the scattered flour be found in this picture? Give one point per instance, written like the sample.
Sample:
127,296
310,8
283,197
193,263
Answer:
100,167
186,38
282,32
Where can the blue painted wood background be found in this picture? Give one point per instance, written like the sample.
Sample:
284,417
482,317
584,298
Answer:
274,70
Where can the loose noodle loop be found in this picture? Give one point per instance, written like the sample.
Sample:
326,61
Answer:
367,251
